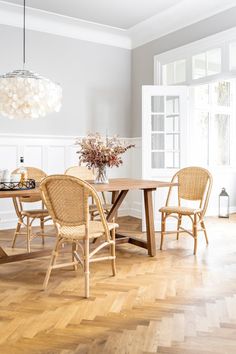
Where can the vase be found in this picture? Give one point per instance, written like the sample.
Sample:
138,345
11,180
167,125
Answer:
101,176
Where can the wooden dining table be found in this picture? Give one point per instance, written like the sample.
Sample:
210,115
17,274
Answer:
119,187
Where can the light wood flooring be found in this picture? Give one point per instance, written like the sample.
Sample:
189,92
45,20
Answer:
172,303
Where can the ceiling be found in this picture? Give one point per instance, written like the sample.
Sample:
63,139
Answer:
122,14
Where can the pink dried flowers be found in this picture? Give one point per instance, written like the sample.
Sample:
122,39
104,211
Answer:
98,152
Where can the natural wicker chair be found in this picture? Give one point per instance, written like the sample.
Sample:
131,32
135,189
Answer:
84,173
67,200
27,217
194,184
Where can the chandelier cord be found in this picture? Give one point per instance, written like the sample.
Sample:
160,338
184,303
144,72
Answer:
24,36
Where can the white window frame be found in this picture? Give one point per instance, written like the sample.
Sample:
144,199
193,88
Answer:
221,40
207,75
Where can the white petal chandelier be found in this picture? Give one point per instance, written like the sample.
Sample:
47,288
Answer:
26,95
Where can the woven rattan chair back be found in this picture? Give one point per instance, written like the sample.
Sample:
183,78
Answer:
81,172
84,173
194,184
37,175
67,200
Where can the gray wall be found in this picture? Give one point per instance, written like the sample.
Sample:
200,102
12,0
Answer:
142,57
96,82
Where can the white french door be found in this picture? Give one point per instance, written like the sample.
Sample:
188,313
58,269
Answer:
164,135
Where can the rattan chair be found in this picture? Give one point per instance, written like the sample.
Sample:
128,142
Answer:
194,184
86,174
27,217
67,200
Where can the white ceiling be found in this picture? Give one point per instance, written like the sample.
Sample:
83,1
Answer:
117,13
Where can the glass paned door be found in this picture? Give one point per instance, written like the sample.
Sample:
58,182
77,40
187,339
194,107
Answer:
163,110
164,134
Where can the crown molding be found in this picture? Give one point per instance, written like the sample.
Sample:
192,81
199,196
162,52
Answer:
172,19
181,15
43,21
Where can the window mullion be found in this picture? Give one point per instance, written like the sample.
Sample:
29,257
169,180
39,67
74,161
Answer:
210,126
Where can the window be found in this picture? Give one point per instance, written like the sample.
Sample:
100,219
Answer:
213,57
212,112
206,64
174,73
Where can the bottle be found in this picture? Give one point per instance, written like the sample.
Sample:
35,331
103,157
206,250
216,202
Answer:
23,172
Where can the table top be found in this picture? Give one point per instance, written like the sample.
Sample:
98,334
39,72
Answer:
118,184
115,184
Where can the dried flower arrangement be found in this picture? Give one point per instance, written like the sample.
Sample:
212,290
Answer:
99,152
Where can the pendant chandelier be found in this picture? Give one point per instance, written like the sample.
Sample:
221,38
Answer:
27,95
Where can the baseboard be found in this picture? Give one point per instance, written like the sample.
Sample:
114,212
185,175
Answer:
135,213
10,223
124,212
215,211
8,220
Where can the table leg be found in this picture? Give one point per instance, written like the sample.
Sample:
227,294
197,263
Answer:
113,199
116,205
2,253
151,242
5,258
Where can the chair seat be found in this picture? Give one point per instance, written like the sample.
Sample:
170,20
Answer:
179,210
96,229
35,213
93,207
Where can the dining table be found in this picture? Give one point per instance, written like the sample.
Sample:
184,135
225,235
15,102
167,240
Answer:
119,187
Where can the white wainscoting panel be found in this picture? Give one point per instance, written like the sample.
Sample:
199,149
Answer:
54,154
56,159
33,155
9,156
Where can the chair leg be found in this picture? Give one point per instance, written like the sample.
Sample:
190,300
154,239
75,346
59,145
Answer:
178,226
51,264
204,230
18,227
195,234
42,230
74,249
28,233
86,267
163,229
113,251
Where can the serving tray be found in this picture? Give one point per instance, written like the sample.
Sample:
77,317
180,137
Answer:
12,186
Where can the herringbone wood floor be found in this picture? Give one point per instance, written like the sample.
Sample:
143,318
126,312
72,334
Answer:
172,303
